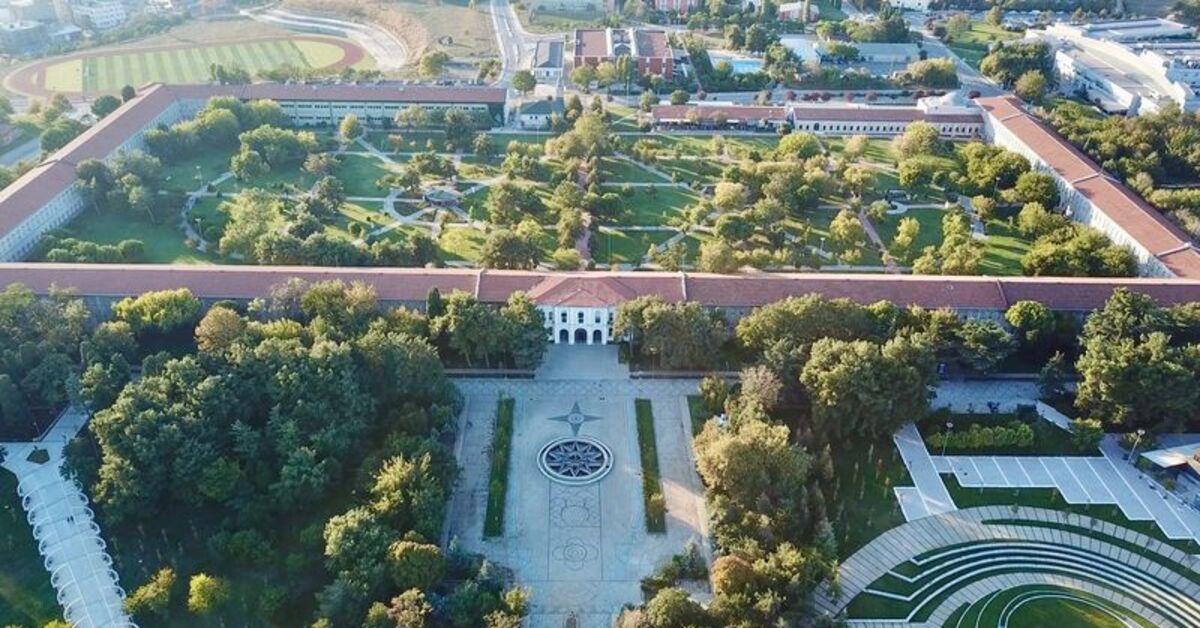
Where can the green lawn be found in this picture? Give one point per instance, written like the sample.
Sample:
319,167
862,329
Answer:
190,174
701,145
1003,249
279,179
819,221
614,170
414,141
164,244
359,175
690,170
930,233
697,412
973,45
655,207
863,504
461,244
370,214
625,247
208,219
559,20
26,597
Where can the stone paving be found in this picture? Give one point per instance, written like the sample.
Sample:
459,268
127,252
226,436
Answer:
1173,593
62,523
582,550
929,495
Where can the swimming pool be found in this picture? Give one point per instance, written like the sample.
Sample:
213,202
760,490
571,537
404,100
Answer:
741,65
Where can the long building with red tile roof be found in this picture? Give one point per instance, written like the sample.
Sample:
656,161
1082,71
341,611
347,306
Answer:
47,197
579,306
1093,196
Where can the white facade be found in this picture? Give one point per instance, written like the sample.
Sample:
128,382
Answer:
911,5
578,325
1127,31
99,14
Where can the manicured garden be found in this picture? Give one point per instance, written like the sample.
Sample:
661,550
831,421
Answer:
652,493
493,522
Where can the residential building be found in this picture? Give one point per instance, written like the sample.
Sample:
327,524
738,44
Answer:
1091,195
23,37
538,113
547,64
901,54
650,49
579,307
99,15
47,196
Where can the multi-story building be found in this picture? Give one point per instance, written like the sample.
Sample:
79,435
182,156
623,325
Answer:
952,120
579,307
650,49
1091,195
99,14
1130,67
547,64
47,196
22,37
678,6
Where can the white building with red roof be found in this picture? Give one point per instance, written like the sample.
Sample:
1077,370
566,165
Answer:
1091,195
650,49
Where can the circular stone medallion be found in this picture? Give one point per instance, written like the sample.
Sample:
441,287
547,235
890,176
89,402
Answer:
575,460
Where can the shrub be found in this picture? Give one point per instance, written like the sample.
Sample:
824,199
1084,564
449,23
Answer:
656,505
493,524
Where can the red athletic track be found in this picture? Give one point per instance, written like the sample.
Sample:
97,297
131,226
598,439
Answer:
28,80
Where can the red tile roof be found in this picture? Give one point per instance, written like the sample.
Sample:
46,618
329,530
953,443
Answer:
39,186
880,114
706,112
1146,225
602,288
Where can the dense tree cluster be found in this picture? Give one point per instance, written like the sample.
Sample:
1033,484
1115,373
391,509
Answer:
1140,365
268,418
1008,62
216,126
676,336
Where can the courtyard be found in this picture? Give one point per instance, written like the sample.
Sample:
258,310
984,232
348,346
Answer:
581,546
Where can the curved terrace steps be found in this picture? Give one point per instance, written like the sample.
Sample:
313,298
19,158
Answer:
986,592
1169,594
1015,545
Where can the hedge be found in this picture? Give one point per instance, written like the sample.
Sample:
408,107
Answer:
1012,434
493,523
652,495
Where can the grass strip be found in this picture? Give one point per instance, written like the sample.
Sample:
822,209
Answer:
699,414
656,505
493,523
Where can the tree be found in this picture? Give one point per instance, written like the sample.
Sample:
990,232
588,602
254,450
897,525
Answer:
412,116
866,389
523,81
248,165
729,197
163,311
415,565
219,329
995,15
760,385
350,128
60,133
1032,321
1008,62
409,610
207,593
1124,381
717,257
958,24
1037,187
919,138
672,608
583,75
433,64
906,235
526,330
983,344
680,97
798,145
105,105
933,73
1031,87
855,147
153,597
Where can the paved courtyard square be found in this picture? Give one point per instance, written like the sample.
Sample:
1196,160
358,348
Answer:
582,550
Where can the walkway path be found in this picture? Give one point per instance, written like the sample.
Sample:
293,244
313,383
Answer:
929,495
68,538
1176,519
906,542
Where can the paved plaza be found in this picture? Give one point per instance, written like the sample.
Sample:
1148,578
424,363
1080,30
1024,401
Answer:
581,549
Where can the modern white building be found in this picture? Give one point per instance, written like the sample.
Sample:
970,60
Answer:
1131,67
99,14
1123,31
1091,195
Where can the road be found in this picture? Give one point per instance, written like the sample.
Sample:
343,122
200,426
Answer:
510,39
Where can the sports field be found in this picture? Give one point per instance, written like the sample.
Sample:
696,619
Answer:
110,70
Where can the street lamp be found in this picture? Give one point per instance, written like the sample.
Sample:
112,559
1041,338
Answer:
946,440
1137,441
